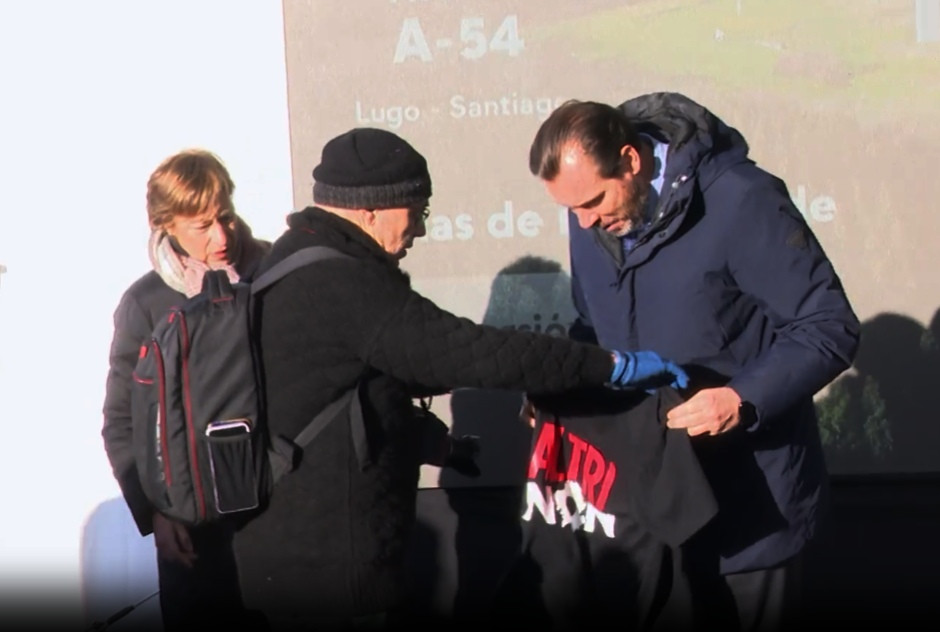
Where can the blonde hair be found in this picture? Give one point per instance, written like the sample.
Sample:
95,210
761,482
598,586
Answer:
187,184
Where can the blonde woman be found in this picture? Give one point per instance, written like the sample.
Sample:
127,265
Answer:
194,228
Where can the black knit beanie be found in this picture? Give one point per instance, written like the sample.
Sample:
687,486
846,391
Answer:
370,168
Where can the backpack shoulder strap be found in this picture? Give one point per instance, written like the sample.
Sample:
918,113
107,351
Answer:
294,261
350,397
286,453
349,400
215,285
325,416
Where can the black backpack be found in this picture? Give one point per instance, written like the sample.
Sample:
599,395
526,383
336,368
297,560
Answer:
197,405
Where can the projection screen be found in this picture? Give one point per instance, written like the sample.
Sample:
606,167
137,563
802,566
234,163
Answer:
838,98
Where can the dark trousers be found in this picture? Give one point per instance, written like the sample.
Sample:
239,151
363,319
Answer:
565,580
379,621
766,600
572,580
206,595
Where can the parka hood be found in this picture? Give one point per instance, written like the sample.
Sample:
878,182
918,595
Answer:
699,141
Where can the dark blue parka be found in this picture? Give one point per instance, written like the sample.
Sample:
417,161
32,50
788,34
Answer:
730,282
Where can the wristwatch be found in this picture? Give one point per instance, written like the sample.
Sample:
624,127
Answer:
747,414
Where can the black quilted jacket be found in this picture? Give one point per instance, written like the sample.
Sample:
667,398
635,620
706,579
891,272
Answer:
331,543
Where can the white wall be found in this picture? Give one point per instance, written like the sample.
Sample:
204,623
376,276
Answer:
93,95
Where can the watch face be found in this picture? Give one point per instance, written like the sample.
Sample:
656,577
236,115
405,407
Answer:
747,414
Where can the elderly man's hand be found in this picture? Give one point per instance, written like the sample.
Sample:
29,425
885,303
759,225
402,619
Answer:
645,370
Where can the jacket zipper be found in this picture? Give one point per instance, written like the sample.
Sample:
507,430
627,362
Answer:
661,215
161,414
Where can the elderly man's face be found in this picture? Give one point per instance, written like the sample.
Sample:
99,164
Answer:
395,229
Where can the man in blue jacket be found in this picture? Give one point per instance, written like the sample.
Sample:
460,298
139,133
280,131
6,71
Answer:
682,245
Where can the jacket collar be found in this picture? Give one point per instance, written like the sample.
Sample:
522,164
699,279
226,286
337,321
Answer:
338,233
700,144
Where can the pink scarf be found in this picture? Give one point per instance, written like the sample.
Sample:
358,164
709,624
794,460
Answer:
184,274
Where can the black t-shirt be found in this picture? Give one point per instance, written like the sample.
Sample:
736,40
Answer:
609,456
610,492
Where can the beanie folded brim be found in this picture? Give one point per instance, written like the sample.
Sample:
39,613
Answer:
377,196
371,168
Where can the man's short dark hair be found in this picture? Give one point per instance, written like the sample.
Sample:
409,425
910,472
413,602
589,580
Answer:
599,129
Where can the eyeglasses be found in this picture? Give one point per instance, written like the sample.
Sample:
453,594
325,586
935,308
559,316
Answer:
420,212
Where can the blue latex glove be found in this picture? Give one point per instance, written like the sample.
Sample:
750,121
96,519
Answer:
646,370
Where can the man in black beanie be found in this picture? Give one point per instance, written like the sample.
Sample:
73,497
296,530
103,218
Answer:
371,168
328,551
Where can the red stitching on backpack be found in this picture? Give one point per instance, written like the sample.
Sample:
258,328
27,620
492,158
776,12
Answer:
190,430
